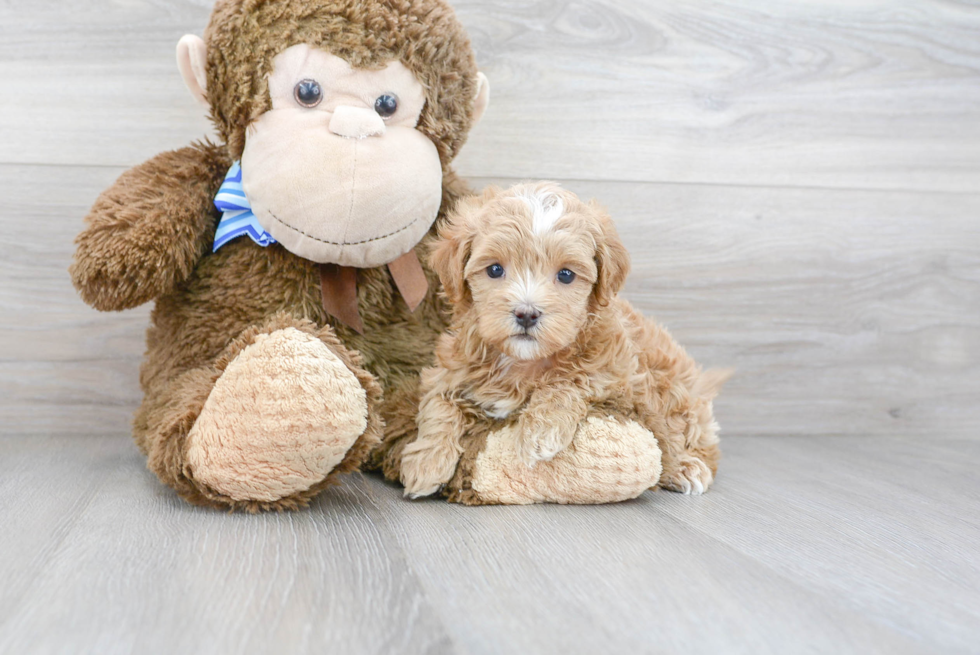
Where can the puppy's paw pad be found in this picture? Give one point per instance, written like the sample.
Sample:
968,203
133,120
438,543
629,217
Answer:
692,477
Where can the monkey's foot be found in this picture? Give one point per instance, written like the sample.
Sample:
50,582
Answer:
282,415
608,461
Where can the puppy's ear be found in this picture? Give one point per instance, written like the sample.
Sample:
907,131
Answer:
612,259
450,252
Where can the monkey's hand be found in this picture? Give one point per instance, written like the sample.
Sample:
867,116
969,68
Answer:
146,232
549,423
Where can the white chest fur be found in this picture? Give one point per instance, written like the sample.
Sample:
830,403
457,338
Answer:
508,387
501,409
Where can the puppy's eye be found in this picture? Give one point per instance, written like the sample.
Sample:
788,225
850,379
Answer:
495,270
386,105
565,276
308,93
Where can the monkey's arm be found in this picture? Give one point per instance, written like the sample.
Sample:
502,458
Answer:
147,231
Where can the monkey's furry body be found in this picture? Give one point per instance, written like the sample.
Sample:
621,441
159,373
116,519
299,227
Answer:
254,397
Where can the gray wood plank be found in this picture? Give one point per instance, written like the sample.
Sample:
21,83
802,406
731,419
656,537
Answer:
64,368
627,578
885,527
858,94
804,545
100,558
845,312
44,488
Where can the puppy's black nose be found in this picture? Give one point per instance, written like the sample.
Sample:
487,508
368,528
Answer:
526,318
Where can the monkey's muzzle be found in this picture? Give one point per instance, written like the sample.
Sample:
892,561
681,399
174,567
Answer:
355,200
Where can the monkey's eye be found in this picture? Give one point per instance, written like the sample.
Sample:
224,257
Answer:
565,276
386,105
495,270
308,93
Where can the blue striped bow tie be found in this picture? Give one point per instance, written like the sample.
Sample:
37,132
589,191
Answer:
237,217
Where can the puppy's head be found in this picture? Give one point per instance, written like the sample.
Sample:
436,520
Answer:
528,265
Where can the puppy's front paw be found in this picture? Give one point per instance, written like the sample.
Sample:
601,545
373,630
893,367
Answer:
691,477
426,467
540,442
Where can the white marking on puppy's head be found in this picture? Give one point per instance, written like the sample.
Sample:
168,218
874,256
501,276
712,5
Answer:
546,206
520,241
526,288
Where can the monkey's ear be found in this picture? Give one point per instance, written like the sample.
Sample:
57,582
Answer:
451,251
192,57
612,259
482,97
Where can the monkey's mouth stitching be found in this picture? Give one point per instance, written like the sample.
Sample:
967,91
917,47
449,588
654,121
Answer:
345,243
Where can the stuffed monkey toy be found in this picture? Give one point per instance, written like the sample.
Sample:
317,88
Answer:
282,259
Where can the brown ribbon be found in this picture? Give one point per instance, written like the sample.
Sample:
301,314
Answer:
338,288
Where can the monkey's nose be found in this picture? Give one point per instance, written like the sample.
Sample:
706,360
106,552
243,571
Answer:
356,122
527,317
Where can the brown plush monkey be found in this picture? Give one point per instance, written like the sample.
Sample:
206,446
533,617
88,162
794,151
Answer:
281,318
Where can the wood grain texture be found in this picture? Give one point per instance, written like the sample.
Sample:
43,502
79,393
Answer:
859,94
862,94
809,546
844,312
106,560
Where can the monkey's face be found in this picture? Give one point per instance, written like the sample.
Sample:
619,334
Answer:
336,170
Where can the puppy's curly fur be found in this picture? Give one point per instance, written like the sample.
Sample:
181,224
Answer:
533,275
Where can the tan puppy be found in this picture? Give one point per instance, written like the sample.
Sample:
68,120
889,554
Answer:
532,273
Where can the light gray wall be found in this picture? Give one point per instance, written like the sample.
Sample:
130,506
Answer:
798,182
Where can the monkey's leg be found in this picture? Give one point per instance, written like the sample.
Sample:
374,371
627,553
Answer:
266,425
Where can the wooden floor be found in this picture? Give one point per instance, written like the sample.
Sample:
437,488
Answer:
832,545
799,185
